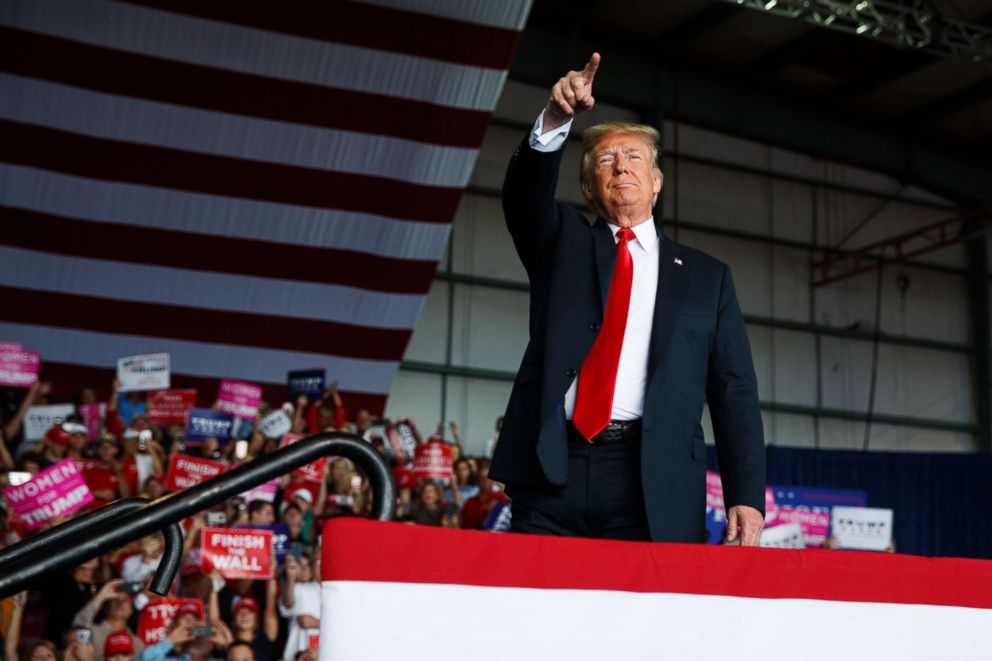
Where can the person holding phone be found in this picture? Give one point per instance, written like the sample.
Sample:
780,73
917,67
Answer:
117,607
190,639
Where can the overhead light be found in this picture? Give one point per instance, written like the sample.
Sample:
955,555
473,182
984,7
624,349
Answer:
862,6
862,28
770,4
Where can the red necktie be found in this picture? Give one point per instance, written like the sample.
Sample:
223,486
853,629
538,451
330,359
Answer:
598,378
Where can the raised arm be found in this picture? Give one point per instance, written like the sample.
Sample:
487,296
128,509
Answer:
529,187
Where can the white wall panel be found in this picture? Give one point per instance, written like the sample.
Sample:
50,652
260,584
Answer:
789,284
794,368
935,305
427,343
475,404
491,328
481,244
848,435
749,263
792,211
722,198
415,395
911,381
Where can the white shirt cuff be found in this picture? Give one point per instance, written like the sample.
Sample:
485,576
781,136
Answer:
553,140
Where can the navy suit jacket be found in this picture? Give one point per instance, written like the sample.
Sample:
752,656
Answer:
698,352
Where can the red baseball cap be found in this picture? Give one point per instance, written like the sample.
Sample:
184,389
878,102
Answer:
246,602
58,435
188,608
118,642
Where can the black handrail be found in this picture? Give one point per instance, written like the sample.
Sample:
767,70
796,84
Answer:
177,506
24,552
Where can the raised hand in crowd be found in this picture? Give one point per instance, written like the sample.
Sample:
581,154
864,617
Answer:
12,636
77,650
571,95
35,395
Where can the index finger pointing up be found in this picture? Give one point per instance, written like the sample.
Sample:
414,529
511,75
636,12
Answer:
591,66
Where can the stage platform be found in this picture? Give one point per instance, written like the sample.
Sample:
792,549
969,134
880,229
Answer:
394,591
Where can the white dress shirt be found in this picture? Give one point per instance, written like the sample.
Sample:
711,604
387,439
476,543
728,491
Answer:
632,373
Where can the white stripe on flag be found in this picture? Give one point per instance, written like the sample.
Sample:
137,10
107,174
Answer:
248,50
167,209
503,14
122,281
97,349
592,625
204,131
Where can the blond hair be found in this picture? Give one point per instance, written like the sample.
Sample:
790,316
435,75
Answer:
594,134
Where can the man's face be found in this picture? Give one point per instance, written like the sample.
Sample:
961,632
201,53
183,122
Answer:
120,657
120,606
623,181
306,573
78,441
106,452
265,514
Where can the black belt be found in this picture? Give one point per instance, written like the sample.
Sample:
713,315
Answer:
618,431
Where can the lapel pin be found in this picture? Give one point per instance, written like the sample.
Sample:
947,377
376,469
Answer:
678,261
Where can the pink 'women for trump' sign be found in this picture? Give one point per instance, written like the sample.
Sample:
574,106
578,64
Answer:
58,490
18,368
239,398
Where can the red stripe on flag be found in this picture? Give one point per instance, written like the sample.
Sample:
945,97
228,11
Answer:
71,153
356,550
140,76
112,241
367,26
69,379
222,327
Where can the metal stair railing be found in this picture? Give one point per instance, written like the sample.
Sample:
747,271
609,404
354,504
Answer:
35,546
174,507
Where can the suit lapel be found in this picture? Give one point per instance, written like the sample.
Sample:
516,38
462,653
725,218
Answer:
606,257
673,276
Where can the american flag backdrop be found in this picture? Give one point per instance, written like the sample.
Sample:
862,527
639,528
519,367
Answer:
251,187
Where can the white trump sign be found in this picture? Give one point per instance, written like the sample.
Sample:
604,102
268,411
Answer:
863,528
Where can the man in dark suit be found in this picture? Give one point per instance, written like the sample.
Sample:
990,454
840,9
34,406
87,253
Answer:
629,334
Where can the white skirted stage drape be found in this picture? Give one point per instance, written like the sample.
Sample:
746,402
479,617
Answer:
393,591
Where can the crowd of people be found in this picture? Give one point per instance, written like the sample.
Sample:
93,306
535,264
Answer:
104,608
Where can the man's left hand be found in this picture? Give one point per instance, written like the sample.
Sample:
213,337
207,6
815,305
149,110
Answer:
748,520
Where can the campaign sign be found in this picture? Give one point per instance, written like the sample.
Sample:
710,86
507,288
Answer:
265,491
280,537
59,490
241,399
237,552
312,472
92,415
10,346
275,424
40,419
787,536
146,372
810,507
499,518
433,460
863,528
185,471
307,382
157,616
18,368
206,423
170,406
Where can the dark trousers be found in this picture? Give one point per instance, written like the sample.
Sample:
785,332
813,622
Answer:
603,497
